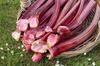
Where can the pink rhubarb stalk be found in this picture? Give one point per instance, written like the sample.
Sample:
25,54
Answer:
79,10
80,19
35,5
28,38
37,57
68,14
52,40
72,43
39,46
46,15
83,15
33,21
22,25
50,12
38,13
53,19
65,10
64,32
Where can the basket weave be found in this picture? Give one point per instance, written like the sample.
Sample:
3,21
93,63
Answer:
84,48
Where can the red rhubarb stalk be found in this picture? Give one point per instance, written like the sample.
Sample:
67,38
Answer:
53,19
72,43
75,1
37,57
38,13
27,47
45,17
64,32
50,12
68,14
33,21
35,5
43,8
83,15
28,38
65,10
22,25
50,23
79,11
52,40
40,33
80,19
39,46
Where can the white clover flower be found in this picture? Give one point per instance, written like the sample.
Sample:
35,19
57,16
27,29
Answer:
6,44
8,49
61,65
93,64
89,59
57,62
22,46
12,52
21,55
1,48
2,57
19,47
85,53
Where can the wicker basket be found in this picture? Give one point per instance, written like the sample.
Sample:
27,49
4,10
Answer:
83,48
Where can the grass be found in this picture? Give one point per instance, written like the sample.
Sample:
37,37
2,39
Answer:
13,57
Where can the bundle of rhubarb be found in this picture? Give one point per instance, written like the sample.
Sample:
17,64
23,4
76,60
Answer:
51,27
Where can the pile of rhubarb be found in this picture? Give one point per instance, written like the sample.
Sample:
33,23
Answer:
48,28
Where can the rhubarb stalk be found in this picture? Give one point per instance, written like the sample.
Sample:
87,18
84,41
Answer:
72,25
72,43
50,12
37,57
83,15
38,13
68,14
53,19
81,18
65,10
79,11
35,5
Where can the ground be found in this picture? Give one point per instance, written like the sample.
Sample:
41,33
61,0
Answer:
12,55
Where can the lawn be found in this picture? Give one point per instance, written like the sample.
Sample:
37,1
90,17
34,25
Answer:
11,53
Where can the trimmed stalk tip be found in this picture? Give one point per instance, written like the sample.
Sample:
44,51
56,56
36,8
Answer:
16,35
39,46
33,22
22,24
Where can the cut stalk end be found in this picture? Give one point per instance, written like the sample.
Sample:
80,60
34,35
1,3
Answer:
16,35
